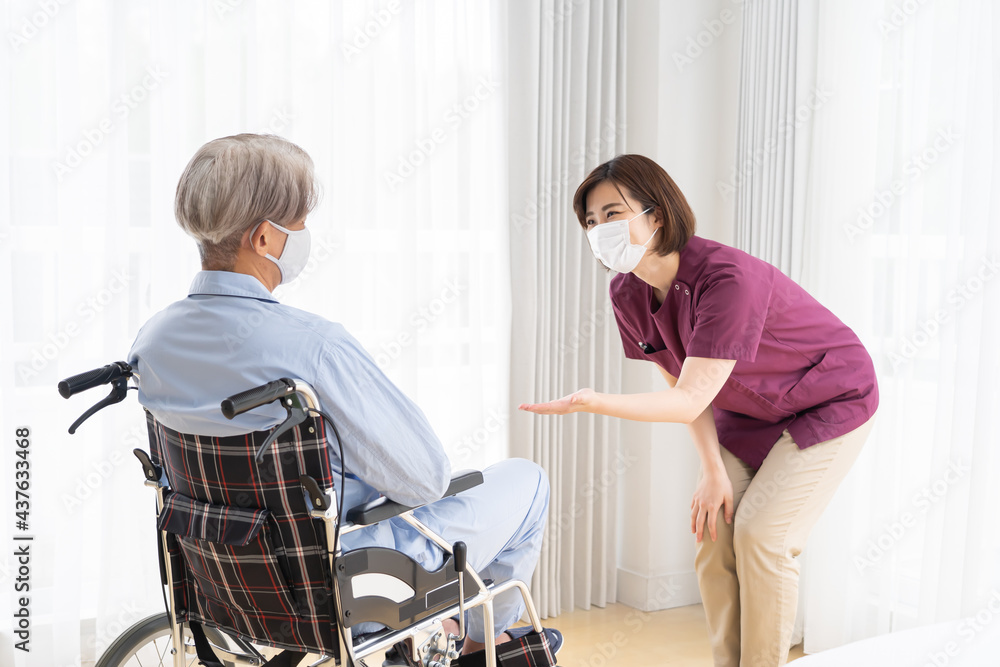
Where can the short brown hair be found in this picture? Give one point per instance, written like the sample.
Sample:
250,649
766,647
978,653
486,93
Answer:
646,182
234,183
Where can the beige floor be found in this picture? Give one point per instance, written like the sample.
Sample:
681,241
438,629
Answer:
619,635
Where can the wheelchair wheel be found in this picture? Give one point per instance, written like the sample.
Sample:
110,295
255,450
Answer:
147,643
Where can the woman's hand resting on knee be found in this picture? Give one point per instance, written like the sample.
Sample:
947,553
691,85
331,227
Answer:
714,491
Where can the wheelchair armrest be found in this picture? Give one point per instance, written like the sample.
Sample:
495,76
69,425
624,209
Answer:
382,508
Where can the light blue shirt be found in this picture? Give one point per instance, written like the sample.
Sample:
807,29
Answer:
230,335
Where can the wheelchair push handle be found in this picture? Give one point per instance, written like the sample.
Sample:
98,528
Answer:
239,403
296,410
116,374
94,378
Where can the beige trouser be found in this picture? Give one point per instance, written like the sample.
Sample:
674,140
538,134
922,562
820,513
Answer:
749,577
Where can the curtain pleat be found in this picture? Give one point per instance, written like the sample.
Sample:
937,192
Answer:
563,333
768,198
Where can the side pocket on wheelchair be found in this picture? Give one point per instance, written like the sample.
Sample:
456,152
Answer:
230,559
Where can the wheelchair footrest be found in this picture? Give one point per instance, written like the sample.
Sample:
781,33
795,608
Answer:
388,587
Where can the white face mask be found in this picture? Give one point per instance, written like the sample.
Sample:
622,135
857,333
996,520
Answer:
612,244
294,255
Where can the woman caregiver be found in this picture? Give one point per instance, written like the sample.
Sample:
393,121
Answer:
778,393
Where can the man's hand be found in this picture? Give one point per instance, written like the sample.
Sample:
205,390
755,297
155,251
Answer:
578,401
714,491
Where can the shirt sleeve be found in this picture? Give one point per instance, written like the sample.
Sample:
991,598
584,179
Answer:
729,314
388,442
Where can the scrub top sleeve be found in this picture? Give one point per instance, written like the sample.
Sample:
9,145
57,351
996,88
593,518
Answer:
729,315
388,442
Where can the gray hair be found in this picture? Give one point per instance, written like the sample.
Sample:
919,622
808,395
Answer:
233,183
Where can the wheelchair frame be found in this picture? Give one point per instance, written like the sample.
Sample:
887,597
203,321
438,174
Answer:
428,645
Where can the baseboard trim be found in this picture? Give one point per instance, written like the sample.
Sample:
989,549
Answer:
653,593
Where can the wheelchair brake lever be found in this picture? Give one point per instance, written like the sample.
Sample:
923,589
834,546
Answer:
460,553
296,415
119,388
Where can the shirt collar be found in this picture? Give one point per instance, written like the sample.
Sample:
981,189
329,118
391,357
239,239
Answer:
229,283
689,260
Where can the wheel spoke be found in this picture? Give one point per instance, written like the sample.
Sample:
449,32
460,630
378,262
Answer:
163,653
148,644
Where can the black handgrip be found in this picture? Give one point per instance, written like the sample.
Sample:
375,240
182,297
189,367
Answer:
94,378
252,398
460,552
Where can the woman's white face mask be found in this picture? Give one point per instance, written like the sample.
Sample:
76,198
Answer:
294,255
613,245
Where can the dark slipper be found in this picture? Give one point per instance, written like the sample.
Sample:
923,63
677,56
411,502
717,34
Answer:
554,636
534,655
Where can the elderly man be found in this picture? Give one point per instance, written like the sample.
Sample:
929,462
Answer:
245,200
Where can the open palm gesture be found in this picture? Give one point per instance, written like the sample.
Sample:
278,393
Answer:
575,402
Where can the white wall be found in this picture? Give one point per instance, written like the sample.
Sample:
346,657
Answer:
682,86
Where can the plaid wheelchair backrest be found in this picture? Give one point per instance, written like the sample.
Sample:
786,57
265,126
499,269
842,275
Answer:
244,552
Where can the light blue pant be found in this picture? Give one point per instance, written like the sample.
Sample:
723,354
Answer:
501,521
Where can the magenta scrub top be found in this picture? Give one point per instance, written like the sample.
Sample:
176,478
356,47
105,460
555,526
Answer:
797,365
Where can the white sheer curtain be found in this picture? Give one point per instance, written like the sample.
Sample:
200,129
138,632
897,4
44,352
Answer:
566,116
901,239
401,106
777,97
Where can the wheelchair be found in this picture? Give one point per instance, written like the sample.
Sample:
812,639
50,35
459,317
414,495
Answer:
249,531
